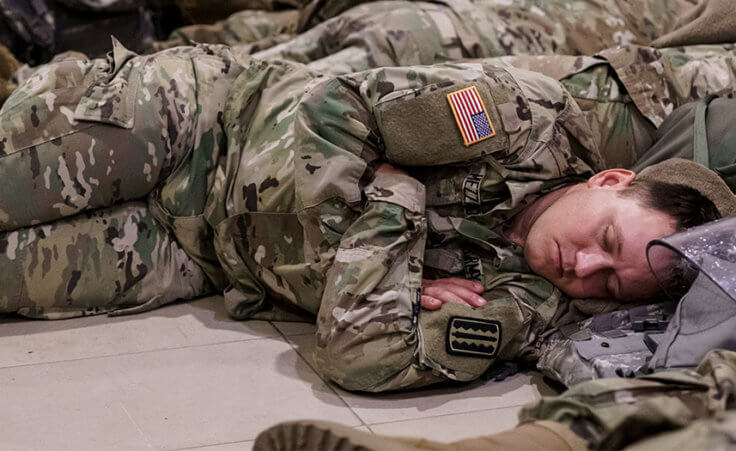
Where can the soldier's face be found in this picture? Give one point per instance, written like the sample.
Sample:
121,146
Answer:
591,243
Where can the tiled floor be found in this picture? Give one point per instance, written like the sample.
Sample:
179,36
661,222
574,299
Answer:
187,377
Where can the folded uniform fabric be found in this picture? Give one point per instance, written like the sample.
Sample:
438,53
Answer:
710,22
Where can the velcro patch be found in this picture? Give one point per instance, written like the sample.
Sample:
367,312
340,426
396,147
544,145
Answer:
473,337
471,115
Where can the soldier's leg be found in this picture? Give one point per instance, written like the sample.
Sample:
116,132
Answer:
374,35
243,27
80,135
310,435
95,262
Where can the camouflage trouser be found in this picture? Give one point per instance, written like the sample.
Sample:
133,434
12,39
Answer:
262,29
384,33
377,34
613,413
261,23
80,141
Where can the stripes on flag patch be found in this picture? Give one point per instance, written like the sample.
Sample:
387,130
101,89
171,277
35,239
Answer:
471,115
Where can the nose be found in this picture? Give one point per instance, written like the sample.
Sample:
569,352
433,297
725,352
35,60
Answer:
589,262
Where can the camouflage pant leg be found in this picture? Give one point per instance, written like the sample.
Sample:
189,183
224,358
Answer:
615,412
80,135
375,35
244,27
95,262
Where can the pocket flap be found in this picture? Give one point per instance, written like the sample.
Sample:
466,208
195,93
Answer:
111,100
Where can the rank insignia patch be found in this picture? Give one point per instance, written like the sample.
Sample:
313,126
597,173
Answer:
471,115
473,337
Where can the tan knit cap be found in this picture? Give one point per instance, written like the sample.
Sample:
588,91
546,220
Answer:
697,177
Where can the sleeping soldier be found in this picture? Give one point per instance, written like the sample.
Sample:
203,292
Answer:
436,31
138,180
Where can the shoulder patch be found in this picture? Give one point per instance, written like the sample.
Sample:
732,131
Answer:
471,115
473,337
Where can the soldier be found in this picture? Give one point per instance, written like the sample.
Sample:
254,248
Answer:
267,180
666,410
456,28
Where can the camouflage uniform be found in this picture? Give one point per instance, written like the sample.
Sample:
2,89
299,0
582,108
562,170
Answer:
626,92
83,141
267,28
479,29
471,28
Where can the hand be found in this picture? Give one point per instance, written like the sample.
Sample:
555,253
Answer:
386,168
437,292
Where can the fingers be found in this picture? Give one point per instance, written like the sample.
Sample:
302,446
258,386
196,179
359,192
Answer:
455,293
430,303
439,291
469,284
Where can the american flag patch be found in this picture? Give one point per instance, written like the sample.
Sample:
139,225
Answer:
471,115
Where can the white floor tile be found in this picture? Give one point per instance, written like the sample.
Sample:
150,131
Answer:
480,395
450,428
289,328
70,405
222,393
199,322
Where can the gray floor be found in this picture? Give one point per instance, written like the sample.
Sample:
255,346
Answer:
187,377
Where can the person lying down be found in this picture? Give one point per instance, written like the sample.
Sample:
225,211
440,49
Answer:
433,218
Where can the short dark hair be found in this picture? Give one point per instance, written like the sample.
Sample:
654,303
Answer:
687,206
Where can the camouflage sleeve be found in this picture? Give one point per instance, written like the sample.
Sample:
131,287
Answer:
370,232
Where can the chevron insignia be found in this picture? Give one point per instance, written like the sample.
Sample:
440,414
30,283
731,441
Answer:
473,337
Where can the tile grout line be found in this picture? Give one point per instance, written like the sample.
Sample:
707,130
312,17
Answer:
147,351
441,415
327,383
213,444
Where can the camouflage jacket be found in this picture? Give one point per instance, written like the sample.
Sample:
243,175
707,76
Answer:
301,219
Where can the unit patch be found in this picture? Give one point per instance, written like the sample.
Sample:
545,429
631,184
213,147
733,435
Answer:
471,115
473,337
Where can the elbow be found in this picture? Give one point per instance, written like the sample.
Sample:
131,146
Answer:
363,365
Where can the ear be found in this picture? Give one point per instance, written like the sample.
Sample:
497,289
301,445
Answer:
612,177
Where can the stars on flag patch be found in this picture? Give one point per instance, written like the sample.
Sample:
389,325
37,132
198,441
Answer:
471,115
